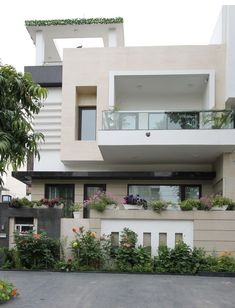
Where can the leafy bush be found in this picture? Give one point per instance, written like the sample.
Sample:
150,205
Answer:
181,259
37,251
9,258
130,258
89,251
7,291
224,263
158,205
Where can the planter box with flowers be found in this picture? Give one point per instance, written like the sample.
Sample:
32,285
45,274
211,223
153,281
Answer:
57,203
132,202
220,203
101,201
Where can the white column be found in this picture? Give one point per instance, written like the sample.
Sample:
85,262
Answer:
112,40
40,48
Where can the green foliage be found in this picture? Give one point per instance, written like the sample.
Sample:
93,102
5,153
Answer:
128,257
181,259
223,263
89,251
18,203
189,204
7,291
76,21
20,100
100,201
37,251
220,201
9,258
158,205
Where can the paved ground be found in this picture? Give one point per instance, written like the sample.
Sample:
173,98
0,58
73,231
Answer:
90,290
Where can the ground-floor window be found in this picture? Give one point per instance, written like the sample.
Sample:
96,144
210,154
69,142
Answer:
89,191
64,191
170,193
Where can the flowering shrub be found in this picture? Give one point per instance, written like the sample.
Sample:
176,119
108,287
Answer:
90,252
100,201
135,200
7,291
37,250
128,257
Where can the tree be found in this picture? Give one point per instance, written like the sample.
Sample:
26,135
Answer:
20,100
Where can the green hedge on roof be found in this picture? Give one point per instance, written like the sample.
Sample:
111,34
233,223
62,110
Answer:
76,21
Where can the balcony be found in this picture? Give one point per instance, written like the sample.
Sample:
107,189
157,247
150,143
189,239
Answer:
222,119
166,137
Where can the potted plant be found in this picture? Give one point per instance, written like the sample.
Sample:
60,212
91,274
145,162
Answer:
158,205
189,204
205,203
76,207
220,203
50,203
134,202
101,201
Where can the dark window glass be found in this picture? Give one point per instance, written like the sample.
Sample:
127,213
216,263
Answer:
64,191
89,191
87,123
171,193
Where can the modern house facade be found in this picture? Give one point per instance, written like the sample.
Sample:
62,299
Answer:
152,121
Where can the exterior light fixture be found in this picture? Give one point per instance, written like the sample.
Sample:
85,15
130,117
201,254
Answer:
148,134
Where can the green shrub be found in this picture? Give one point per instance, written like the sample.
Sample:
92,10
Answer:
37,251
181,259
89,251
9,258
128,257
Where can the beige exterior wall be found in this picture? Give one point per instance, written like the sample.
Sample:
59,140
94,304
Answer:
94,66
214,231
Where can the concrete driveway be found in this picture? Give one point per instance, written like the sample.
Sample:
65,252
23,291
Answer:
94,290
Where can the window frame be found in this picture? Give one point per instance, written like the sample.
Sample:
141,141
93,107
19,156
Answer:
181,188
80,109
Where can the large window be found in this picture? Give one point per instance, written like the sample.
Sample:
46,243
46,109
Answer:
89,191
64,191
87,123
171,193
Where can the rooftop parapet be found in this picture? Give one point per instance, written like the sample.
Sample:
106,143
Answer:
44,32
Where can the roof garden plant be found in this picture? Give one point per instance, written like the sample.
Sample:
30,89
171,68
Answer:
75,21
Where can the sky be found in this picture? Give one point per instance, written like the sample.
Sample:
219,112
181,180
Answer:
146,23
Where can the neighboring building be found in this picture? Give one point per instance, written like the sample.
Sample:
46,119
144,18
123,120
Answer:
153,121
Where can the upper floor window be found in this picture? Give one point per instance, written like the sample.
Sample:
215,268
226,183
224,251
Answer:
87,123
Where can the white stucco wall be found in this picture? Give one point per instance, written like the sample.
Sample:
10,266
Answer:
154,227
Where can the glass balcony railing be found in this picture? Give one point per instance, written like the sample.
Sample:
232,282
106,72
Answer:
127,120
